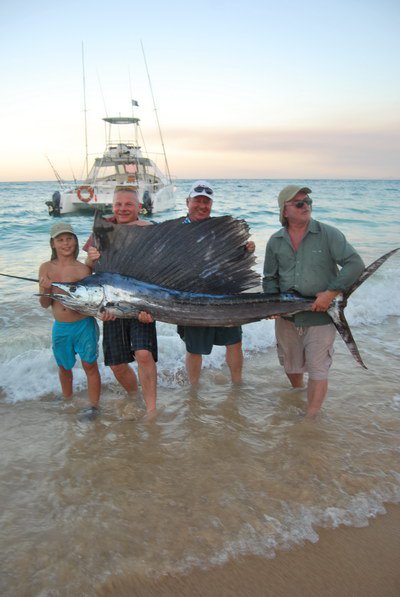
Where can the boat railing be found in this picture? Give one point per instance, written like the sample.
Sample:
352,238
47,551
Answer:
119,141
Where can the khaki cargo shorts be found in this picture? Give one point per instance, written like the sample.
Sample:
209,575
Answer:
308,349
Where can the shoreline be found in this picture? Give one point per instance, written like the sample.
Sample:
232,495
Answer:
345,562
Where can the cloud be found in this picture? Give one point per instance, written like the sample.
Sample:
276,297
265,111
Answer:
341,152
338,153
283,140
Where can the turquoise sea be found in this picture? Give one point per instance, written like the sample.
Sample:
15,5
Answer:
223,471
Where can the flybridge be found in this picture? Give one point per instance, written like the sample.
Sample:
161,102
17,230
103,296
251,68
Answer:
115,141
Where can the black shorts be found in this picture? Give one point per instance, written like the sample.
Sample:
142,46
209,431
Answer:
122,337
200,340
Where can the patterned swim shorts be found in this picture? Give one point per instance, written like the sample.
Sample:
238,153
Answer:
122,337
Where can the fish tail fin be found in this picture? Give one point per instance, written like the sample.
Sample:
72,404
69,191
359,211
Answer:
368,272
336,311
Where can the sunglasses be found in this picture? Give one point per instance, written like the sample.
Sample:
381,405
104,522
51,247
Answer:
202,189
300,204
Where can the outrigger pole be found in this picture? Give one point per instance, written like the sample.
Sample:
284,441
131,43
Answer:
84,112
155,110
56,174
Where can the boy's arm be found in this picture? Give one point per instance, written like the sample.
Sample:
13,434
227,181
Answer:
83,271
92,257
44,286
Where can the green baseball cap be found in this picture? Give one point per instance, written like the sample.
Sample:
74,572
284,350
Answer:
287,194
61,228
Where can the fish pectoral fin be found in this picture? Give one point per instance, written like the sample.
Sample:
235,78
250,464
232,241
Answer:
119,309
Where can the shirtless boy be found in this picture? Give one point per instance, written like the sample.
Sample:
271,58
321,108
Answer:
73,333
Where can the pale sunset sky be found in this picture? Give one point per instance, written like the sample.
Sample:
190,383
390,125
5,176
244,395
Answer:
255,89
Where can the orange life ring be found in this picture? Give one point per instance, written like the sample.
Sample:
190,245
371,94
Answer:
85,193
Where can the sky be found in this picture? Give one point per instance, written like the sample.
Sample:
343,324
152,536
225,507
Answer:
242,89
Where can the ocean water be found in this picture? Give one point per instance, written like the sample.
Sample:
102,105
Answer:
221,472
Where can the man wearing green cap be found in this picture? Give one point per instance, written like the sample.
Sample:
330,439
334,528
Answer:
304,256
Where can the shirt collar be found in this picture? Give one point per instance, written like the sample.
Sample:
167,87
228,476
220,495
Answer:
313,227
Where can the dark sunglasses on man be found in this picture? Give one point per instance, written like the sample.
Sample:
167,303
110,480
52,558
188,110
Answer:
301,203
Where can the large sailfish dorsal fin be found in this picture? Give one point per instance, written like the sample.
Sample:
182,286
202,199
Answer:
202,257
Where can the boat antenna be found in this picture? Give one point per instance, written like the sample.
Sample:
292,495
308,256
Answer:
73,173
134,104
106,138
85,111
155,110
142,138
102,94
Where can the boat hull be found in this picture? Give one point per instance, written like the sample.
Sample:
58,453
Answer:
153,200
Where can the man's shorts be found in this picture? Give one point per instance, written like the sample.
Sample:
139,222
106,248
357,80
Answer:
308,349
122,337
75,337
200,340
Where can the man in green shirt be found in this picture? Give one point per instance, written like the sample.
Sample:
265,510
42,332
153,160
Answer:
304,256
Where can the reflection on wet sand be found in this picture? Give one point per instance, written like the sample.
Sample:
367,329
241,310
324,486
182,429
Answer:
222,472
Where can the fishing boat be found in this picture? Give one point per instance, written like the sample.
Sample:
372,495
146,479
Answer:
122,164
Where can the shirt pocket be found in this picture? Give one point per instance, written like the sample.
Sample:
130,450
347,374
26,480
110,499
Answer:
318,259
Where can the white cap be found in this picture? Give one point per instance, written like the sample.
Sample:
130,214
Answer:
201,188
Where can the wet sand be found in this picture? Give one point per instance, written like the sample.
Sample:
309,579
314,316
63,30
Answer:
345,562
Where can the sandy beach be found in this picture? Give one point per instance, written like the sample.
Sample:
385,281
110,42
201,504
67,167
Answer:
345,562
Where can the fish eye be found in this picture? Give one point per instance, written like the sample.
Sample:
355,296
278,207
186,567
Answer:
73,288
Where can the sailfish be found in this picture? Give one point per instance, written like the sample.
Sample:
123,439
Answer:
189,274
